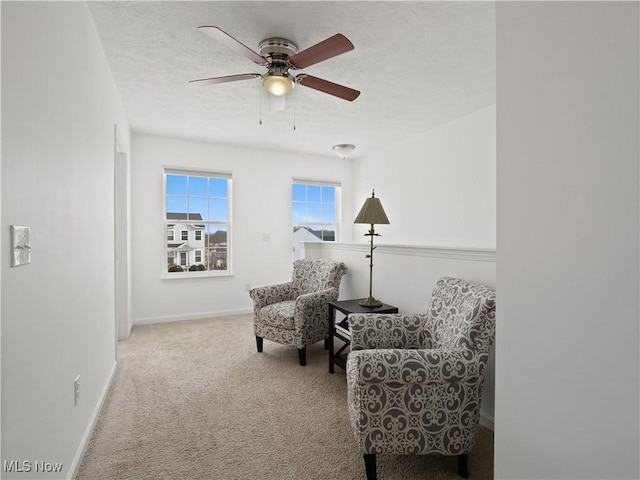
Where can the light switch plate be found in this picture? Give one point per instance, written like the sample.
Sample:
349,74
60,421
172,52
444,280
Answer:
20,246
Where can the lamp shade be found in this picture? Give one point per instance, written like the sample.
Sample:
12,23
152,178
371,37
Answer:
372,212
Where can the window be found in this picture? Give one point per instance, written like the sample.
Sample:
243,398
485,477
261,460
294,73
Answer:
315,207
198,206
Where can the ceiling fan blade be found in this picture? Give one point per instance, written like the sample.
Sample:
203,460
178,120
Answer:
227,40
228,78
329,48
326,86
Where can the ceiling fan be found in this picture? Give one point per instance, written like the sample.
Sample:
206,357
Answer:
280,56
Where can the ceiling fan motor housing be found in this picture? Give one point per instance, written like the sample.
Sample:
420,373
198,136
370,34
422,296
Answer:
277,51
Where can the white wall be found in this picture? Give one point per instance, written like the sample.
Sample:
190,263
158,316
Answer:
437,188
567,365
261,187
59,107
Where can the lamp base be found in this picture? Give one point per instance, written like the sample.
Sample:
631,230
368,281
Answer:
370,302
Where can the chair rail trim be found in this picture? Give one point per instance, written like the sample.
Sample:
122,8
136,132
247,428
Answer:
456,253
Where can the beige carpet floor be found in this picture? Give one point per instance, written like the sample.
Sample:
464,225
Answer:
194,400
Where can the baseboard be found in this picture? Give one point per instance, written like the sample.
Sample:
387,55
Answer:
75,465
486,420
193,316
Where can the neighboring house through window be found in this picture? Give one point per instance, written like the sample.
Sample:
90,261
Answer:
198,206
315,212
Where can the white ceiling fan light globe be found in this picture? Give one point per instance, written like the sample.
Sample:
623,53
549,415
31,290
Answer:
277,85
343,150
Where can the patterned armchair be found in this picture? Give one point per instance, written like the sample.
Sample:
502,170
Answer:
296,313
415,380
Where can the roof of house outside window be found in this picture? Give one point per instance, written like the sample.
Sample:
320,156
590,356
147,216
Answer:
326,235
180,246
183,216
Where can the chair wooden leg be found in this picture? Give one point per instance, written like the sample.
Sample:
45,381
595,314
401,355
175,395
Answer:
259,342
370,465
463,469
302,354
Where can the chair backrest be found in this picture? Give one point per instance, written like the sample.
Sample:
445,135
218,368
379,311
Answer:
312,275
461,314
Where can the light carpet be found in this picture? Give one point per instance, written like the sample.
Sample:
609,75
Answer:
194,400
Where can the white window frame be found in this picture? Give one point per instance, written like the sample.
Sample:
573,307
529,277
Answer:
338,206
228,224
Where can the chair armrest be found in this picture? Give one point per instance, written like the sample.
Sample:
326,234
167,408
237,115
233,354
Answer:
268,294
403,367
386,330
316,299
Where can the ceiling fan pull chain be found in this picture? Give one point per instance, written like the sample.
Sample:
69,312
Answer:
294,117
260,100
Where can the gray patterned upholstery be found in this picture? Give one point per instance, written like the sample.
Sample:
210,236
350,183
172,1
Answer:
415,381
296,313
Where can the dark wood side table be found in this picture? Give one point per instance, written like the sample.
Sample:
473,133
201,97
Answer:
347,306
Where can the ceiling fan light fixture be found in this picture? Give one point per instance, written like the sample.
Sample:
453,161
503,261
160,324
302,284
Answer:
277,85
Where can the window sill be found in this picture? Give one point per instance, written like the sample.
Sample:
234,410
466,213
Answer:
207,274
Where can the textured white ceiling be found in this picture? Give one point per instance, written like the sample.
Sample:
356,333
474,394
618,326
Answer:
417,64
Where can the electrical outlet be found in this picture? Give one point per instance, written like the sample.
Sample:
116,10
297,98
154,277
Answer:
76,391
